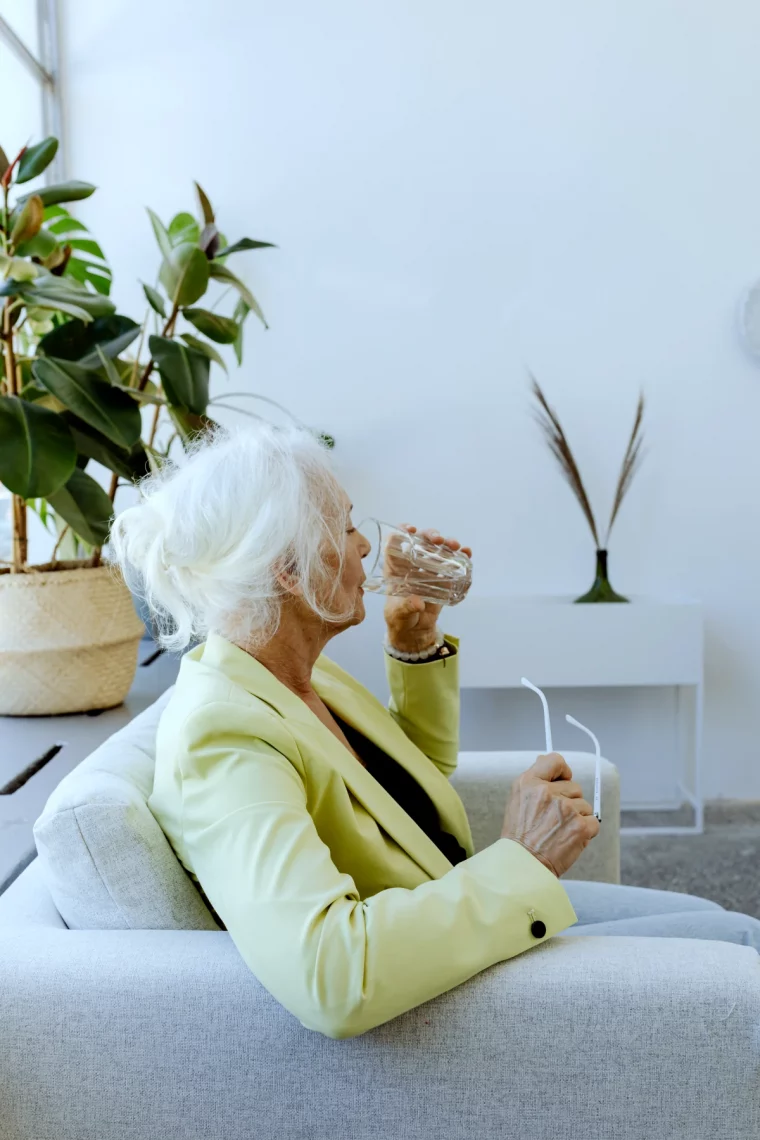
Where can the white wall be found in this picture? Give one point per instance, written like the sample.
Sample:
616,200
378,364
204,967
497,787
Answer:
459,191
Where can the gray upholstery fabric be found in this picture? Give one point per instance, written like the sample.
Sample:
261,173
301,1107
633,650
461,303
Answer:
125,1034
136,1035
483,780
106,861
27,902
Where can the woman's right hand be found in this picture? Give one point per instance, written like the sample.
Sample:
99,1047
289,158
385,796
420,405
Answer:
547,814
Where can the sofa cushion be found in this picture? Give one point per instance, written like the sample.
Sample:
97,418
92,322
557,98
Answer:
105,860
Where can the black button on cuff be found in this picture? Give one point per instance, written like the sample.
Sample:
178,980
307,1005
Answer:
538,928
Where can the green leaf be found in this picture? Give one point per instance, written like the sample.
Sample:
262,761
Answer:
78,341
222,273
99,276
57,306
245,243
155,300
144,397
208,213
41,245
207,349
130,463
63,192
184,373
162,237
29,221
188,424
35,159
57,289
221,329
184,274
112,373
4,162
93,399
184,228
60,221
86,245
37,452
85,506
241,312
18,269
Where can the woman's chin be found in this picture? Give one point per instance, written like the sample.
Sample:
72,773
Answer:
359,611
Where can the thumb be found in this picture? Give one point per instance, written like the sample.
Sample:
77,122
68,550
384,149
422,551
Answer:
552,766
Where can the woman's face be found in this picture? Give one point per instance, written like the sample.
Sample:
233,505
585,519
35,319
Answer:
351,593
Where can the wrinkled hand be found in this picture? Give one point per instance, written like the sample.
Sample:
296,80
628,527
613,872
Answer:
547,814
411,620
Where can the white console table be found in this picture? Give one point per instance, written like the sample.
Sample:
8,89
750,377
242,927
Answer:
557,644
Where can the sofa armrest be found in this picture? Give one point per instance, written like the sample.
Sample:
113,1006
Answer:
484,779
145,1033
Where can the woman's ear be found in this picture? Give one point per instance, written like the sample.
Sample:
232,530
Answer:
287,578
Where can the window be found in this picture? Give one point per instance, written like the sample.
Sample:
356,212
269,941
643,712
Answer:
29,77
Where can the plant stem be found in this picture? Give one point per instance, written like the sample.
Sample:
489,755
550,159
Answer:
20,544
114,485
168,331
61,537
154,426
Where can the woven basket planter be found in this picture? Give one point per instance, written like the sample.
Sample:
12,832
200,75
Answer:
68,641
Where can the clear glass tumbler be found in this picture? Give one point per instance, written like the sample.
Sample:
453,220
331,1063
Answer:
406,564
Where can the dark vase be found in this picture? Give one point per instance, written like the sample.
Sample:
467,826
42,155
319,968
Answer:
601,591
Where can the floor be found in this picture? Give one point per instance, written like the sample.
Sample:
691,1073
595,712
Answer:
722,865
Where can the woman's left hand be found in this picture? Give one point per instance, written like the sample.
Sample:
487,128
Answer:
411,620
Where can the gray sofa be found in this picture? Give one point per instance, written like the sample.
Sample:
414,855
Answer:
126,1014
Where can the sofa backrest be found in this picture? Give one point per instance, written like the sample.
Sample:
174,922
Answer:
105,860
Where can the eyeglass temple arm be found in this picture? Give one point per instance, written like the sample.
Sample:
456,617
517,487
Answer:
597,774
545,703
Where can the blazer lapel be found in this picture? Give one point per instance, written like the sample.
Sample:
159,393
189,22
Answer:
359,708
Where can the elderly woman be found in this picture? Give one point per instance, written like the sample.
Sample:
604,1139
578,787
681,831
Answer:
320,826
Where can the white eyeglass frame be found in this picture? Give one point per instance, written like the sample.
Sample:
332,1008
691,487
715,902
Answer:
549,748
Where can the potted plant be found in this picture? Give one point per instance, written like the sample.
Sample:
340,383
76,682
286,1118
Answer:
70,396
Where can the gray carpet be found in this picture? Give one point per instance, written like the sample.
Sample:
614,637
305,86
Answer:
722,865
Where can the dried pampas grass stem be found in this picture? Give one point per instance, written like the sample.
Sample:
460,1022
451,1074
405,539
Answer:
560,449
631,463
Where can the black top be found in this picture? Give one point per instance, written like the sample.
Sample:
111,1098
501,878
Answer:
405,790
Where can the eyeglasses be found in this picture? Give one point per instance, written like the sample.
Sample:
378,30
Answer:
582,727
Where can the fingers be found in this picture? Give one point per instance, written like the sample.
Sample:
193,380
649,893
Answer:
551,766
568,788
437,539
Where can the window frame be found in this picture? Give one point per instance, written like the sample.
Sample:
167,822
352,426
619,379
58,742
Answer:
46,71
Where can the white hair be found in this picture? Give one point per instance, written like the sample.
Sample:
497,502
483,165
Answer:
211,533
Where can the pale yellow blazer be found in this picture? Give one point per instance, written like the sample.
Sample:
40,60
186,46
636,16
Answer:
338,902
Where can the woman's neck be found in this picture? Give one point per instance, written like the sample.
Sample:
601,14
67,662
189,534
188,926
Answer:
292,653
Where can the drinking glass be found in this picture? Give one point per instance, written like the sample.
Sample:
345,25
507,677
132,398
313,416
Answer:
406,564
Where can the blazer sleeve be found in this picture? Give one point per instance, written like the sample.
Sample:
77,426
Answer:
425,704
340,964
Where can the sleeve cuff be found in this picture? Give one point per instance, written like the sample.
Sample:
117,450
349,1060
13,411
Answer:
509,865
